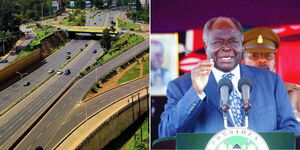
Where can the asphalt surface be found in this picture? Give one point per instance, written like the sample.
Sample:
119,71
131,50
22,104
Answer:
43,133
111,16
19,118
16,90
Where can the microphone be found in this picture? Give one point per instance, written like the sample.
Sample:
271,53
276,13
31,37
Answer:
225,87
245,87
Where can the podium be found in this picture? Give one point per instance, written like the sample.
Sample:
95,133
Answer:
275,140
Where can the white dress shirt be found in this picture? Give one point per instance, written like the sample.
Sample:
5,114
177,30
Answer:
235,79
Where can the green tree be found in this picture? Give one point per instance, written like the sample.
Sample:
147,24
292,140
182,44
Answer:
106,40
4,38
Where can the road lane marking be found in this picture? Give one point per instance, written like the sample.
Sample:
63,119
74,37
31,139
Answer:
49,124
64,106
29,147
21,118
39,135
91,106
79,114
30,109
11,127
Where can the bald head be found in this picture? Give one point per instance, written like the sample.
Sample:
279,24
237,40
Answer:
222,23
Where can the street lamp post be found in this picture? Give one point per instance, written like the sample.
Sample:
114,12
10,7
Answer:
21,74
139,100
132,105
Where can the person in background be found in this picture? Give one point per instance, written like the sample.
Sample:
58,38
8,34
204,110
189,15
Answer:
259,48
159,75
193,104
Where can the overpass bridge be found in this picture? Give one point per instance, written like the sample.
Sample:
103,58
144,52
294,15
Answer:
94,31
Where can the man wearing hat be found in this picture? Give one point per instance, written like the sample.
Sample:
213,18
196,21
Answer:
259,47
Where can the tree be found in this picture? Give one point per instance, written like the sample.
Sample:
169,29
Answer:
106,40
5,37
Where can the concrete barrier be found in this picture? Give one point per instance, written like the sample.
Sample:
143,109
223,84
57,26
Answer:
114,126
40,53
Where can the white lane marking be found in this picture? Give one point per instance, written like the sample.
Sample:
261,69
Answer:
91,106
56,114
49,124
28,147
67,120
64,106
30,109
39,135
21,118
79,114
5,121
11,127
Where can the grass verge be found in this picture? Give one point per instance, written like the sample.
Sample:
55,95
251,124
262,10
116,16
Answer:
41,34
127,25
124,43
131,74
145,62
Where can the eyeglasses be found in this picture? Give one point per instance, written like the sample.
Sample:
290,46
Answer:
233,43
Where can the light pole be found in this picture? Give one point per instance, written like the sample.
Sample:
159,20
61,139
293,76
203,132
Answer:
139,100
21,74
132,106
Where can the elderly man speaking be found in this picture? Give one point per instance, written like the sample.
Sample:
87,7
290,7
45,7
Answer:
194,101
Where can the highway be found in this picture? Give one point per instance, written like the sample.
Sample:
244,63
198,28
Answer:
16,90
42,134
19,118
111,16
15,122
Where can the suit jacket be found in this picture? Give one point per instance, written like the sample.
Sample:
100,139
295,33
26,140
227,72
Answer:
186,113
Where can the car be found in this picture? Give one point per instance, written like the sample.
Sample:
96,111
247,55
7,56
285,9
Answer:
50,71
67,56
59,72
94,51
95,23
4,61
26,83
68,52
67,72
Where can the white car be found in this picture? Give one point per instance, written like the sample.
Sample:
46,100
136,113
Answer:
59,72
50,71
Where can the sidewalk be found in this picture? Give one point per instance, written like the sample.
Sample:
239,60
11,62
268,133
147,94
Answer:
85,129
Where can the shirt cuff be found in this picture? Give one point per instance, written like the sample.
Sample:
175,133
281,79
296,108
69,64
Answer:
202,96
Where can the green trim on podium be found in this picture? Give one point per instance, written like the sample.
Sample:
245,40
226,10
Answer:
275,140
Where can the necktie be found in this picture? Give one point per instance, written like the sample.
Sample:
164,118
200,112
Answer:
236,103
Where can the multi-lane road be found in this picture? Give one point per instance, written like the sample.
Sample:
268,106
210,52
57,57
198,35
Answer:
16,90
19,118
61,90
55,117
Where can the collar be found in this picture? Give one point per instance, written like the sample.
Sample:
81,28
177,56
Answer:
218,74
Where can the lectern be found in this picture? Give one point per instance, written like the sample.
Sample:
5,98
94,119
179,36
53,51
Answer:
274,140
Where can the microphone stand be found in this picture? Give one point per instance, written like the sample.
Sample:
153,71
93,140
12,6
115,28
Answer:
226,119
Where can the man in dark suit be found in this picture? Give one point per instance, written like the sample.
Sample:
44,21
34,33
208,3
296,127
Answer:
193,99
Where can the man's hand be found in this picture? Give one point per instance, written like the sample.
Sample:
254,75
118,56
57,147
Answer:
200,74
